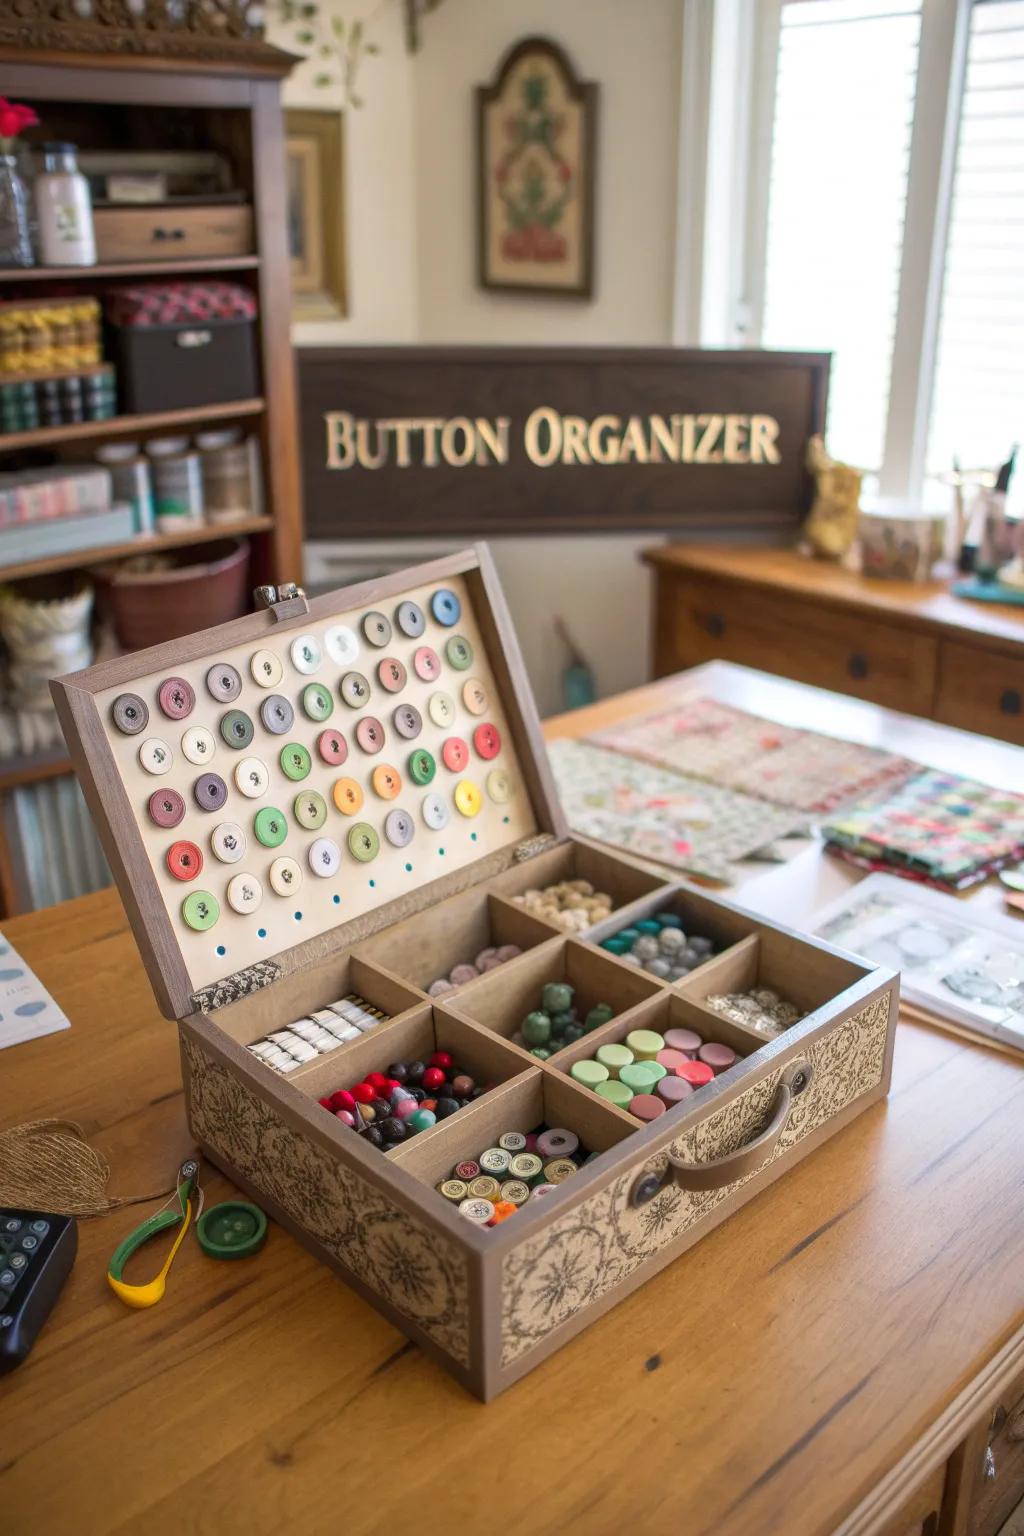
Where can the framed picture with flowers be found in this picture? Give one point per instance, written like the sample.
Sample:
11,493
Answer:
536,135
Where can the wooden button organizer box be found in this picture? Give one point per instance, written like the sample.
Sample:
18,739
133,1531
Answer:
380,908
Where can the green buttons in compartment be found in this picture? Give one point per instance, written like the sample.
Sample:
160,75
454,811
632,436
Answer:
317,703
363,842
295,761
310,810
270,827
459,653
200,910
421,767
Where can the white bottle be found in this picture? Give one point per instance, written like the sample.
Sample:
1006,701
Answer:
64,207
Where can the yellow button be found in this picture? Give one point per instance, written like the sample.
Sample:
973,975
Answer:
266,669
348,796
386,781
468,798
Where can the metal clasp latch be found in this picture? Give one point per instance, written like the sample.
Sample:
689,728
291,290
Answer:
284,601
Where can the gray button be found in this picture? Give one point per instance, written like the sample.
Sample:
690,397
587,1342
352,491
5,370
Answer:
223,682
376,629
410,619
131,714
398,828
277,714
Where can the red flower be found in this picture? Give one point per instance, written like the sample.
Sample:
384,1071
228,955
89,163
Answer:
14,117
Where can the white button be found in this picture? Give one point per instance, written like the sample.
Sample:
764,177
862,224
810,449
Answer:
285,877
324,857
266,669
252,777
156,756
341,645
441,709
244,894
435,812
499,786
228,842
306,654
198,744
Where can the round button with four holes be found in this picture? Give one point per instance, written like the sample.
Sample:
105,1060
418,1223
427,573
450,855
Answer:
391,674
184,860
459,652
324,857
355,690
426,663
199,911
410,619
295,761
176,697
421,766
407,721
197,744
277,714
244,893
209,791
228,842
468,798
310,810
435,812
266,669
370,734
445,607
306,654
332,748
270,826
252,777
236,729
223,682
376,629
487,742
347,796
441,709
454,754
166,808
386,781
317,703
341,645
130,713
285,876
474,696
363,842
155,756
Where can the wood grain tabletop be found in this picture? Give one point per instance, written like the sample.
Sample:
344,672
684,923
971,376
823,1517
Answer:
832,1334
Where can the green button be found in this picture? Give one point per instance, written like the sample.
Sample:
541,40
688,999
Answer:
641,1076
459,653
363,842
237,729
310,810
200,910
270,826
233,1230
615,1057
317,702
421,767
589,1073
615,1092
295,761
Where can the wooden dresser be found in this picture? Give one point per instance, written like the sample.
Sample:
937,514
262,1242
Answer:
909,646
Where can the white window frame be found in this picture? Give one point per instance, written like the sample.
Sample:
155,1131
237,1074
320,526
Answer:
729,66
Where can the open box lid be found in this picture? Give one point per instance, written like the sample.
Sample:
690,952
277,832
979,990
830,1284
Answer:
272,790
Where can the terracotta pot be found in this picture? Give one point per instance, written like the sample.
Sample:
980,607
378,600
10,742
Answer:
183,592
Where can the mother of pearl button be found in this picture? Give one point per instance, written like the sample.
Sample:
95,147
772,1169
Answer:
341,645
155,756
198,745
244,893
306,653
435,812
252,777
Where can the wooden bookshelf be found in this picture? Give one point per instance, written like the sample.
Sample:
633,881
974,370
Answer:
11,276
141,544
130,426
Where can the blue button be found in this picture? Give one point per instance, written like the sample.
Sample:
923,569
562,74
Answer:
445,607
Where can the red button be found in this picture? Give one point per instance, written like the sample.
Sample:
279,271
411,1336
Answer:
426,663
176,698
487,741
332,747
184,860
362,1093
370,734
455,754
696,1073
166,808
391,674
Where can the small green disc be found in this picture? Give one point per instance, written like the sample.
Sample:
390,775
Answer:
459,653
270,826
310,810
236,729
363,842
295,761
317,702
421,767
1013,879
200,910
615,1092
232,1230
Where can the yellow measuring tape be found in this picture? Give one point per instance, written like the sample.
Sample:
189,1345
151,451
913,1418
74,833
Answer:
180,1213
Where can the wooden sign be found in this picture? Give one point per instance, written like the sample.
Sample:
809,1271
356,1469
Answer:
475,441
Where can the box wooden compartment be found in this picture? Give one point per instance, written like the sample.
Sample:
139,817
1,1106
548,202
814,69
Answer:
488,1303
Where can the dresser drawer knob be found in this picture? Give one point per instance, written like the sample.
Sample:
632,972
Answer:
160,233
857,665
1009,701
714,624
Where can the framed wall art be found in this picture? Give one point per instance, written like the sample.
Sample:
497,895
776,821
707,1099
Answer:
536,137
316,234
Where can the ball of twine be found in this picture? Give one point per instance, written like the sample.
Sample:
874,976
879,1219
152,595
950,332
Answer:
47,1165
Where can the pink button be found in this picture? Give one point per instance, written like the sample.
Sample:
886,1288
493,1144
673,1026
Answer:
673,1090
391,674
166,807
696,1073
370,734
176,698
332,747
671,1059
426,663
685,1040
718,1057
487,741
645,1106
455,754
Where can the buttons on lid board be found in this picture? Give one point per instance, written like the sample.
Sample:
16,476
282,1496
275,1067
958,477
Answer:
252,777
244,893
324,857
130,713
223,682
266,669
198,744
391,674
306,654
277,714
376,629
341,645
155,756
285,876
228,842
176,698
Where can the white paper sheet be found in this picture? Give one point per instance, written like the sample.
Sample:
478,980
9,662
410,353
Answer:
27,1010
